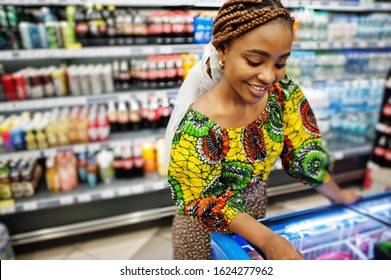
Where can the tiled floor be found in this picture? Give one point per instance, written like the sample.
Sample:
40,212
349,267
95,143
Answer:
150,243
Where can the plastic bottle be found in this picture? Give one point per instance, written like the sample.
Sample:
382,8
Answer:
72,168
153,113
51,175
109,17
122,116
63,172
16,184
5,183
82,125
117,162
93,125
103,125
82,166
138,160
92,170
134,115
127,162
124,75
106,169
148,153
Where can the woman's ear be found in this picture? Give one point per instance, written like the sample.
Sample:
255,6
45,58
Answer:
221,52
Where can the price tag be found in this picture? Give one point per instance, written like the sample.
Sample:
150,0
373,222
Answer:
30,206
106,194
147,50
336,45
124,191
362,44
165,50
79,148
7,106
138,189
85,197
66,200
158,186
7,206
94,147
338,155
50,152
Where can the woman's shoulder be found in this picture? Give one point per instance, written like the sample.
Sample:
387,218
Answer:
288,85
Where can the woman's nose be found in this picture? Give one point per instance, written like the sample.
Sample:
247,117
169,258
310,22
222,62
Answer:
267,75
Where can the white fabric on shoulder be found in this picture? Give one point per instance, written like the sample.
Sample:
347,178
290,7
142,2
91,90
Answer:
197,82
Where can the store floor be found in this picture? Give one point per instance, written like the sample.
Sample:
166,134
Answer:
152,242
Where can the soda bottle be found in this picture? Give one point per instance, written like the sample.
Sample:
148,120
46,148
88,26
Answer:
109,17
103,124
127,162
81,25
51,175
138,160
123,116
134,115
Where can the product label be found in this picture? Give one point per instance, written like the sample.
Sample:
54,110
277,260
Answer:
104,133
379,151
387,110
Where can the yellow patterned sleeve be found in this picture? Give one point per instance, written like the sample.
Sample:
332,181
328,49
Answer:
304,157
194,174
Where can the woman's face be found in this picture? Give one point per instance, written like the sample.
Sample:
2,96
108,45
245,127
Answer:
256,61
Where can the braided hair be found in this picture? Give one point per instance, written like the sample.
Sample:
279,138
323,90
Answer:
237,17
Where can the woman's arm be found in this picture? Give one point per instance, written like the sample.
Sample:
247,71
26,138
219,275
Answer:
336,195
271,244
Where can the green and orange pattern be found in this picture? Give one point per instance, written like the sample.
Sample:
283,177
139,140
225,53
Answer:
210,166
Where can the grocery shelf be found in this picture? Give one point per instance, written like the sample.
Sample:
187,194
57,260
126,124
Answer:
152,182
96,52
144,50
65,101
116,139
92,226
44,199
345,6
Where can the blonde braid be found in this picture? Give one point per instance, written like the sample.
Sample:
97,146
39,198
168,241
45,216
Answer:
237,17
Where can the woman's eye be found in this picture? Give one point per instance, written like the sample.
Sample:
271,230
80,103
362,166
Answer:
252,63
279,66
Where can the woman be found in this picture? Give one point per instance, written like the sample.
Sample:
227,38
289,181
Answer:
238,112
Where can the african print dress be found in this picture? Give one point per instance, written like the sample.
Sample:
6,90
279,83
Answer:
216,173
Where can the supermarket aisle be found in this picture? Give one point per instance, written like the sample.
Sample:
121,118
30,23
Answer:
153,243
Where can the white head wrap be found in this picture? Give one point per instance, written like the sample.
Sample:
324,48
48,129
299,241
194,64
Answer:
197,82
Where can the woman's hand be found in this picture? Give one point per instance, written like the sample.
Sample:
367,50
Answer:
278,248
270,243
336,195
347,197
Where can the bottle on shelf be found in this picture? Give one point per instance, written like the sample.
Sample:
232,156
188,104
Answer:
117,162
5,182
134,114
123,116
138,160
51,175
92,169
103,125
105,162
109,17
127,162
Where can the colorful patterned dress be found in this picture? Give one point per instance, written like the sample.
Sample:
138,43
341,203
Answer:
216,173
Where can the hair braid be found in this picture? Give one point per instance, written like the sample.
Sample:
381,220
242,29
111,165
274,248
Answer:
237,17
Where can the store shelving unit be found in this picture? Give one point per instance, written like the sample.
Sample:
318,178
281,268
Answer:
124,202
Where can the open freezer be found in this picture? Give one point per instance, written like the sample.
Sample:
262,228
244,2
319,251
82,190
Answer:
331,232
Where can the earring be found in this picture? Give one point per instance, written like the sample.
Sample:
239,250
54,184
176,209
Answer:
221,65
